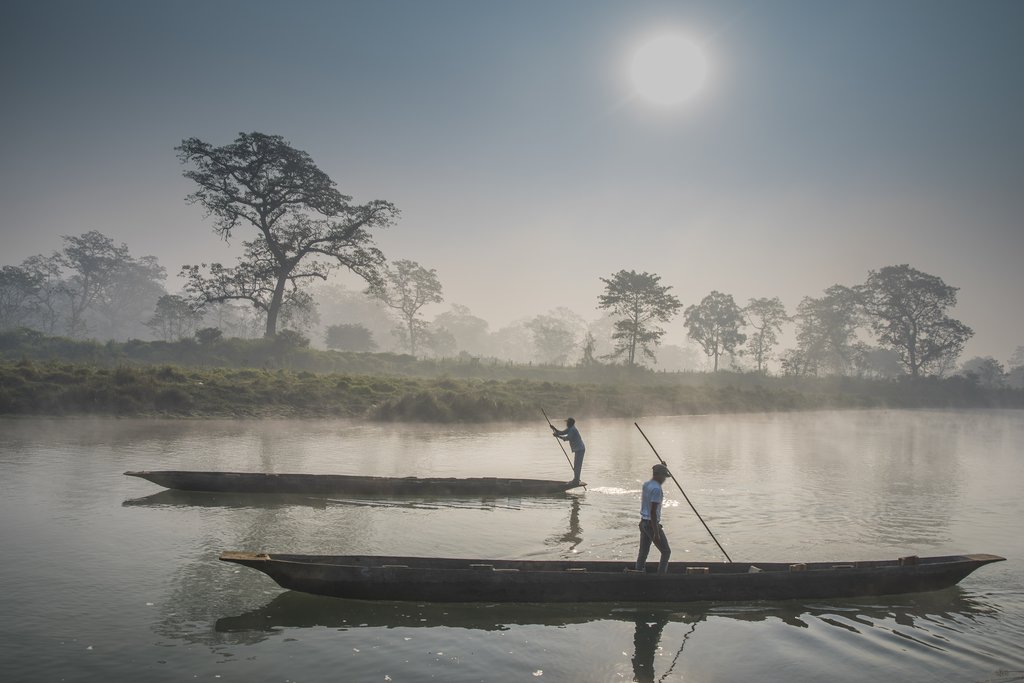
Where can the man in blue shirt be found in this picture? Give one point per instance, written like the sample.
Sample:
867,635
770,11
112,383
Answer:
572,435
650,520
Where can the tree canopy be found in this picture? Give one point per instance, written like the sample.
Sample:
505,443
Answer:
908,313
766,317
407,287
304,227
715,323
639,301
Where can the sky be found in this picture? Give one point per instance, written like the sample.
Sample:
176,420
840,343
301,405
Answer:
828,139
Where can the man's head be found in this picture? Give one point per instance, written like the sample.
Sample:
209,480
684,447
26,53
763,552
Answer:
659,473
569,422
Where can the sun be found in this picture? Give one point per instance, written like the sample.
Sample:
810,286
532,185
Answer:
668,69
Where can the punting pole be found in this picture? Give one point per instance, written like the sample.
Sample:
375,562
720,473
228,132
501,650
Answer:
683,492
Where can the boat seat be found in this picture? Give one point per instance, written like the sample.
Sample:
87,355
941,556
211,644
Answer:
576,569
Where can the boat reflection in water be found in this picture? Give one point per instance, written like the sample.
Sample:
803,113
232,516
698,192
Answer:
202,499
294,610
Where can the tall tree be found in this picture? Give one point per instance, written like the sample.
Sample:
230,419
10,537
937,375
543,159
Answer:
766,316
908,313
18,296
130,293
174,318
715,323
407,287
93,260
826,332
639,301
104,286
553,337
470,331
304,226
50,298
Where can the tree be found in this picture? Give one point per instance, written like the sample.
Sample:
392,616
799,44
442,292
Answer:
826,330
987,371
553,338
93,260
18,296
714,323
870,361
907,310
640,301
49,298
407,287
1015,372
208,336
105,286
350,337
588,346
174,318
766,316
305,227
469,331
130,293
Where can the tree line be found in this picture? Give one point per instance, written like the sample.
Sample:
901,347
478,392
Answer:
301,228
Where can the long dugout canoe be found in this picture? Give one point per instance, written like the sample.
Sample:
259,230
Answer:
367,577
333,484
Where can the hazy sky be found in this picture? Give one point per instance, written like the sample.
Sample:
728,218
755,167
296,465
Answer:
830,138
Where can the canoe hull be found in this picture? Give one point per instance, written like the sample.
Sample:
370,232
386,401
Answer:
464,580
342,484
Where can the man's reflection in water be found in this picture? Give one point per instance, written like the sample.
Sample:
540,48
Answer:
574,536
645,643
646,637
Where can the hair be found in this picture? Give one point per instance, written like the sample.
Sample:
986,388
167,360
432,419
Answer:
570,421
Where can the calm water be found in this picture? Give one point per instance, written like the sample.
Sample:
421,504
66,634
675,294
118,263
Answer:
106,578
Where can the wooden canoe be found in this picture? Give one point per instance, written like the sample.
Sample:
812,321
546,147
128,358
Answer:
335,484
367,577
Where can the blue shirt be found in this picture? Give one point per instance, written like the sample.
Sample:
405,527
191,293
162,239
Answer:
572,435
652,494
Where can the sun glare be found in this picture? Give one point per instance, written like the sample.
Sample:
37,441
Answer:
668,70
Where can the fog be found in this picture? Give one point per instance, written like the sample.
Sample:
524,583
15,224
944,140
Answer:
525,169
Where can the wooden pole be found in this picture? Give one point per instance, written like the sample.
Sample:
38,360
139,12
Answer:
683,492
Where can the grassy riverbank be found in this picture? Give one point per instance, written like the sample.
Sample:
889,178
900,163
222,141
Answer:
60,388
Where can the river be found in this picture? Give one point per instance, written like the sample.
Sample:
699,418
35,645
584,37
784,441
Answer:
105,577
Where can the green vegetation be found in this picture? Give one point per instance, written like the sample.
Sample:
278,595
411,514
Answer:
42,375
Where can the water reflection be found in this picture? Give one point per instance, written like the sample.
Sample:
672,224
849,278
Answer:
291,609
573,536
202,499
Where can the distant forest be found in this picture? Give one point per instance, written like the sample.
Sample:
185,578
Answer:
300,229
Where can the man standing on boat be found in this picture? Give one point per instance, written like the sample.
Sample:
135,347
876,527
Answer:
650,520
572,435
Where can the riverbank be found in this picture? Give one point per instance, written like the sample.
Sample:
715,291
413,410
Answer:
58,388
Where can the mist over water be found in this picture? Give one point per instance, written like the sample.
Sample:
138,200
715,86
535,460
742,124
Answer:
111,577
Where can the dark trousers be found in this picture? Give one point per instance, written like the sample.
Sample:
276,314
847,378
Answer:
646,538
577,465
